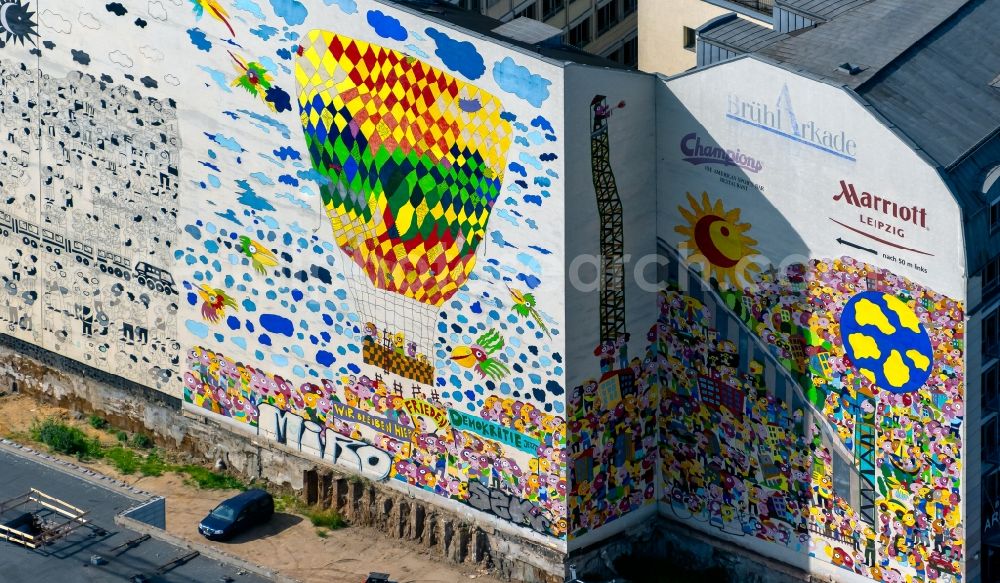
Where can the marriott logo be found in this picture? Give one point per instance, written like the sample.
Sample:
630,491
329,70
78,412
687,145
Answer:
866,200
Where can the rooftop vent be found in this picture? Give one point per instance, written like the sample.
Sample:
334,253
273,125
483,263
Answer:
527,31
849,69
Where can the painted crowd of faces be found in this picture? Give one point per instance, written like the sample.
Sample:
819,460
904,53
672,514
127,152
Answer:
442,460
753,472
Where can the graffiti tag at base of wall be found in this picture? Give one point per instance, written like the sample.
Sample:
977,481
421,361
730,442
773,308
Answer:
359,424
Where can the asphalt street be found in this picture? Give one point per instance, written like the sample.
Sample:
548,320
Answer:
69,560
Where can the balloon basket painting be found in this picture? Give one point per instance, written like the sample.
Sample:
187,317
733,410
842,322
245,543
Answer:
412,160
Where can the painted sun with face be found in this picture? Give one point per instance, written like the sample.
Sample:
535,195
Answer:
717,240
16,22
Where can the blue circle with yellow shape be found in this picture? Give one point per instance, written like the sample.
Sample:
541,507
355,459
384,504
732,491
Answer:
886,341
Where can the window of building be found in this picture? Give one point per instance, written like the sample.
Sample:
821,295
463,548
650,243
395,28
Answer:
991,388
689,38
550,7
608,16
630,53
580,34
990,439
991,276
629,6
529,11
991,333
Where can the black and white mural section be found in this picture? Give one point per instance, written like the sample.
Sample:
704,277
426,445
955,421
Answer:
89,178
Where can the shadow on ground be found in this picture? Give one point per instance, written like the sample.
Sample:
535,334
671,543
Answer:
278,524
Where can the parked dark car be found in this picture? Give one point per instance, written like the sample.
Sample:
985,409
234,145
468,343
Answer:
237,514
377,578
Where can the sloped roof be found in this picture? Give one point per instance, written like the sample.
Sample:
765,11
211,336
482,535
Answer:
924,65
871,36
939,92
820,10
732,32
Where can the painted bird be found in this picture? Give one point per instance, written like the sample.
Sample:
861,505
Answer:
255,79
478,356
214,10
215,302
524,304
260,256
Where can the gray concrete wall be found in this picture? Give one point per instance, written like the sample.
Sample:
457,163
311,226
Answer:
153,512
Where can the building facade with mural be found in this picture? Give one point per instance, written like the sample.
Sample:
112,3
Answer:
561,299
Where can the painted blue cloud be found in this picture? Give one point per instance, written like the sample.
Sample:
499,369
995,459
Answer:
249,6
251,199
530,262
386,26
515,167
270,121
518,80
230,215
199,39
541,250
284,53
262,178
292,11
417,51
542,124
497,238
286,152
279,98
542,181
313,175
289,180
529,280
458,56
226,142
348,6
264,31
530,160
533,199
548,157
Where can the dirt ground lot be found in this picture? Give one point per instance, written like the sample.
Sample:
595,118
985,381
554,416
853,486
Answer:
289,544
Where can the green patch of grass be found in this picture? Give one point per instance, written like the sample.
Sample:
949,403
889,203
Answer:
206,479
121,436
330,519
97,422
63,438
123,459
154,465
286,503
322,533
141,440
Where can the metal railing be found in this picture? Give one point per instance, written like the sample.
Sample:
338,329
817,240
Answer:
762,6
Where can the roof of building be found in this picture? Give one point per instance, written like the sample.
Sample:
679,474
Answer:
925,65
939,92
485,26
820,10
729,31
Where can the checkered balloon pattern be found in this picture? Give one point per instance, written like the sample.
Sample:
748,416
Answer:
414,158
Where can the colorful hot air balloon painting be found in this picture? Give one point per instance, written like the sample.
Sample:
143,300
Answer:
414,160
